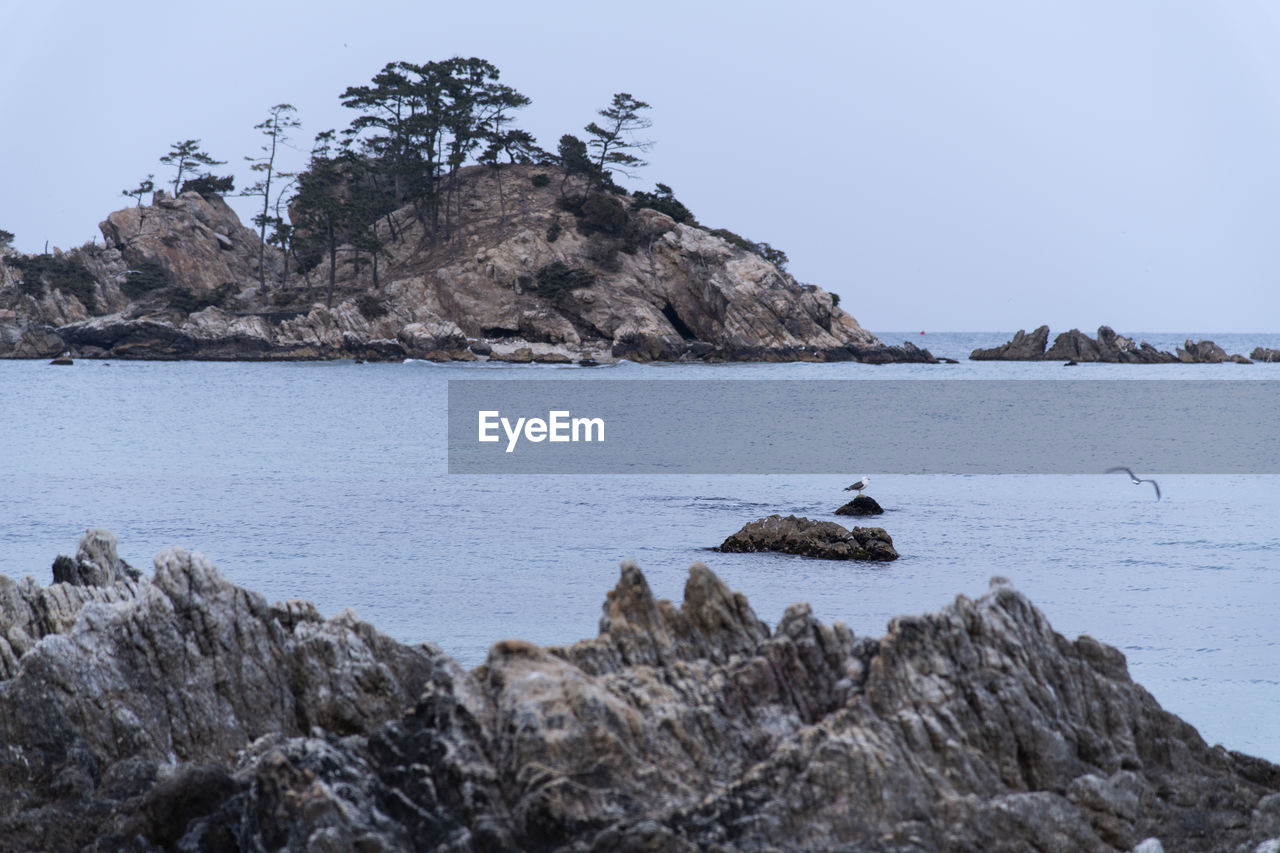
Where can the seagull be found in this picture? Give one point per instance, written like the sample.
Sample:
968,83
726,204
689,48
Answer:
1135,479
859,486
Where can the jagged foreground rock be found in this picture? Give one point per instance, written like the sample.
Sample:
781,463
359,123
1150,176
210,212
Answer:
1109,347
188,714
654,290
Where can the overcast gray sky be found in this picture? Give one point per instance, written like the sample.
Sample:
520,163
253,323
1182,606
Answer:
940,165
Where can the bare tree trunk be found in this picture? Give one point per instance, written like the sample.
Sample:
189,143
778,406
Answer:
262,228
333,265
306,276
502,199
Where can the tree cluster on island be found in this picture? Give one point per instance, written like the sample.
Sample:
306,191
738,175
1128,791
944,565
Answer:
416,126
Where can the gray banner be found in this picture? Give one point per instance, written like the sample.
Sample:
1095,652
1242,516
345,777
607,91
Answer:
858,426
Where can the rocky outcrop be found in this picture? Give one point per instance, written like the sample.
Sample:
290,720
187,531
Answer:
1207,352
197,241
1023,347
823,539
1108,347
96,562
861,505
180,279
188,714
1075,346
1264,354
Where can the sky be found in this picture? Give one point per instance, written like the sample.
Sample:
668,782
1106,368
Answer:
977,166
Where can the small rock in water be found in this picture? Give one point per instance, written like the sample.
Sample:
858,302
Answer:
861,505
805,537
62,359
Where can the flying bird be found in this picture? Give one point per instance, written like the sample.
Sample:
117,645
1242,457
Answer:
1135,479
859,486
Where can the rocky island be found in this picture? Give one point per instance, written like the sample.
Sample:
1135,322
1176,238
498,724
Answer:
429,228
1076,346
179,711
520,280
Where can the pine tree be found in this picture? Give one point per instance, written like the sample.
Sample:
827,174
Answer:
420,124
144,186
575,160
612,144
185,156
321,205
281,119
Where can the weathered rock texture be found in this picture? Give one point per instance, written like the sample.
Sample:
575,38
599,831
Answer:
187,714
655,290
96,562
1206,352
1023,347
824,539
197,241
861,505
1264,354
1108,347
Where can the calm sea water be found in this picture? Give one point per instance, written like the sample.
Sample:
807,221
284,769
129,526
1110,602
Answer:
326,481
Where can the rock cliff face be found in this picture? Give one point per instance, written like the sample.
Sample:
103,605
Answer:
181,712
1108,347
197,242
179,279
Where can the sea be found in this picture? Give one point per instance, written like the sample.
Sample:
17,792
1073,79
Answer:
328,481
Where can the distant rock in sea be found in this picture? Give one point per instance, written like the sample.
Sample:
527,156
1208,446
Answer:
183,712
1264,354
1075,346
1207,352
1023,347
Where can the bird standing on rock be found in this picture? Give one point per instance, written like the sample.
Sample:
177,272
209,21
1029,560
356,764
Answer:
859,486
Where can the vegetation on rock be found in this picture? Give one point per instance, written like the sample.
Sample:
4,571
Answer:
663,200
208,184
146,278
432,208
558,278
145,187
66,273
184,157
188,301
